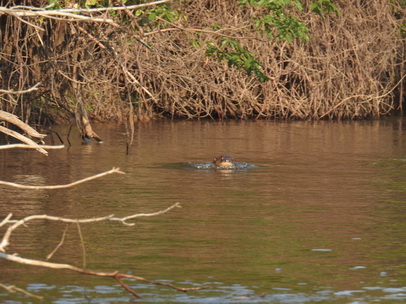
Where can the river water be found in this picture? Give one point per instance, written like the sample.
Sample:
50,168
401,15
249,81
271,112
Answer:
322,220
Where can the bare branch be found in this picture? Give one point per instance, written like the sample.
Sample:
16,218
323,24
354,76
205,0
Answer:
126,287
82,244
53,14
33,88
24,139
12,288
114,170
11,118
6,220
94,10
118,8
49,256
5,241
23,146
71,14
124,219
116,275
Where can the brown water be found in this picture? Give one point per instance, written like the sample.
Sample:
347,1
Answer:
321,221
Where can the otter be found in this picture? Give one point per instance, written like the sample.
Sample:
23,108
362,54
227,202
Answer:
224,161
221,162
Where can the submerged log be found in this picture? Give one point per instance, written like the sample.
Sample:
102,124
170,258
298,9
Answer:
84,125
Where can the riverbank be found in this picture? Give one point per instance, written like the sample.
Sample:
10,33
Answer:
206,59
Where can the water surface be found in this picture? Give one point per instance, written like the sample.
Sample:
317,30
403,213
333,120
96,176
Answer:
321,221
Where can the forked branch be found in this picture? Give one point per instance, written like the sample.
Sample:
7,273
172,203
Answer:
14,224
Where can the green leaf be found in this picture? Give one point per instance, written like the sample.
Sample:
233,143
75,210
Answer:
139,13
152,17
298,5
195,44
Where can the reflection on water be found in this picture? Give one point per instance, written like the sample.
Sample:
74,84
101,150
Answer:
322,219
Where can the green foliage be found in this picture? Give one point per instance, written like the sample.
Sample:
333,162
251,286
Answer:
286,27
157,15
236,56
398,10
54,4
274,20
152,17
278,21
321,7
58,4
164,12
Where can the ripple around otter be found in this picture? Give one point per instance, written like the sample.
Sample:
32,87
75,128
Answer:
211,166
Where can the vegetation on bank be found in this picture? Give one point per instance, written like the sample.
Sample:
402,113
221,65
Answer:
218,59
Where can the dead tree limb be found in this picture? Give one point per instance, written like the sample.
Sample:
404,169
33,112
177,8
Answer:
83,122
13,119
28,130
24,139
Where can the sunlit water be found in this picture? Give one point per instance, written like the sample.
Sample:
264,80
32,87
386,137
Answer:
321,220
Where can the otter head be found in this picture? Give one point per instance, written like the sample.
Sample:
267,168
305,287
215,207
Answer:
224,161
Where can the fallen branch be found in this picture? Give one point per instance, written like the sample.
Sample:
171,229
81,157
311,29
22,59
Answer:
29,143
23,146
12,288
49,256
130,217
11,118
114,170
116,275
5,241
24,139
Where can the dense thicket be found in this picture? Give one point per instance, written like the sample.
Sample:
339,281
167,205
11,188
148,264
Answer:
143,66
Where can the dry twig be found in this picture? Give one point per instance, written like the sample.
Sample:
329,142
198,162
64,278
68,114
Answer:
33,88
12,288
